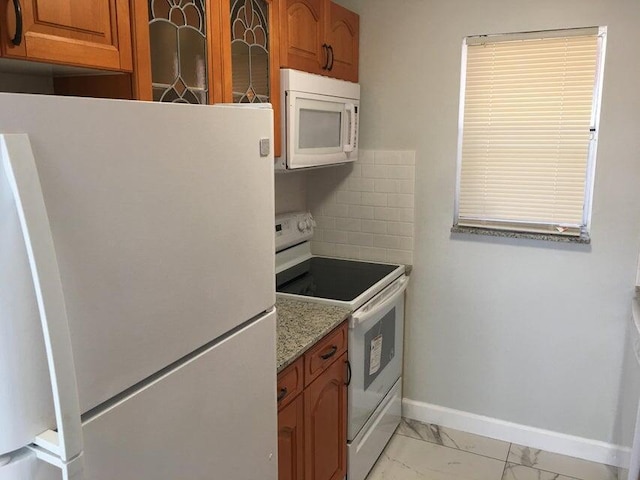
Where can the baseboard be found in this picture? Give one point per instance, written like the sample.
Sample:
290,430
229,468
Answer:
538,438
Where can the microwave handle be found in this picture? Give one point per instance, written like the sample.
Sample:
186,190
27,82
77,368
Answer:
351,146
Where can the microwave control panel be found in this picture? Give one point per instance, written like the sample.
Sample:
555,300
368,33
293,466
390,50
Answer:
293,228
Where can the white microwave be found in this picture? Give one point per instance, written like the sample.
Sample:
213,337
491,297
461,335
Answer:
319,119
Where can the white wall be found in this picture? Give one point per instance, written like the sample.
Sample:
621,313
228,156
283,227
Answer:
525,331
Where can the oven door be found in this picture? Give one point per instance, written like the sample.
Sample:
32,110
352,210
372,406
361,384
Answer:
321,130
376,333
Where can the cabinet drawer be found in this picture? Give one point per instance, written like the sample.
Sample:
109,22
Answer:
290,383
325,353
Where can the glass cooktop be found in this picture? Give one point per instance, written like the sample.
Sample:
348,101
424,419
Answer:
331,278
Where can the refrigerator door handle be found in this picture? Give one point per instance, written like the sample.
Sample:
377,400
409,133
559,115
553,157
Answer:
18,163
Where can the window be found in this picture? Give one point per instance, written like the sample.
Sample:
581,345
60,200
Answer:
528,131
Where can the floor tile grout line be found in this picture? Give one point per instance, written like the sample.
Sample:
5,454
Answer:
506,460
452,448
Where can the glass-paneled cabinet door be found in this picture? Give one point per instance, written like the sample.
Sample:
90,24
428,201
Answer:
250,51
178,36
255,68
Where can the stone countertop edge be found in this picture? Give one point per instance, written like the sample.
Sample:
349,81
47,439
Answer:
301,324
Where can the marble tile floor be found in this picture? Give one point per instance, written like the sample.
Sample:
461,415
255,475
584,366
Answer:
419,451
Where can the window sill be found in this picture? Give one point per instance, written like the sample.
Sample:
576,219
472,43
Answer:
582,239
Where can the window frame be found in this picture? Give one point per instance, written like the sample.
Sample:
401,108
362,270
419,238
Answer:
546,230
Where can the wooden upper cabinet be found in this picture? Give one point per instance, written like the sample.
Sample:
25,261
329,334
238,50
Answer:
302,46
86,33
343,33
319,36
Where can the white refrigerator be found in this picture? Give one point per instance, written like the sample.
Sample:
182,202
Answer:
137,328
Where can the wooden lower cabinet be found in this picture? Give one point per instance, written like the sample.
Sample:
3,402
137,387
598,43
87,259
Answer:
312,423
291,441
325,424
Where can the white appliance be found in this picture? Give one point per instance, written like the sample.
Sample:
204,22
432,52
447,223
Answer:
137,329
320,120
375,293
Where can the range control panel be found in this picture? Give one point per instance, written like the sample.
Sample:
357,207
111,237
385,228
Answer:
293,228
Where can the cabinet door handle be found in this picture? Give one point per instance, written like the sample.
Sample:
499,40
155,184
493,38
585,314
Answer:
325,48
348,382
283,393
330,353
330,67
17,38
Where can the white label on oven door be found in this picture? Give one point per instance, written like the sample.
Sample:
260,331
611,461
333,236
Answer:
376,354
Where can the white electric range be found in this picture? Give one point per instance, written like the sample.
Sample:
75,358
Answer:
374,292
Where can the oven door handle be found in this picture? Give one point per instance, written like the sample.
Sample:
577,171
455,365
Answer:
388,297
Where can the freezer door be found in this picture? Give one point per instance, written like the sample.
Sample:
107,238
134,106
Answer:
162,221
23,465
213,417
26,407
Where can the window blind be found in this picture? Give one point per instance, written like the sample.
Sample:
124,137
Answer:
528,126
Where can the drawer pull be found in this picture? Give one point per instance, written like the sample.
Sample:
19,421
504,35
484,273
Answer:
330,353
283,393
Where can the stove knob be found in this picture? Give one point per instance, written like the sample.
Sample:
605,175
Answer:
302,225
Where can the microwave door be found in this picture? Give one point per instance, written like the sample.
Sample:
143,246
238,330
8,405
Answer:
318,130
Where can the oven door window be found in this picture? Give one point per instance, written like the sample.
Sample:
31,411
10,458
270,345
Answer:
379,341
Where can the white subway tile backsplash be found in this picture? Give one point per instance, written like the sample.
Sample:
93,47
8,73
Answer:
361,184
347,251
406,186
400,172
374,254
374,199
365,210
335,236
377,171
386,241
348,224
374,226
361,239
357,211
325,222
365,156
350,198
324,248
387,158
384,185
335,210
387,213
400,256
400,200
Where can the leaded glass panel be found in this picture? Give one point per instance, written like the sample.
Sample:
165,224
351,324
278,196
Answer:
250,51
178,37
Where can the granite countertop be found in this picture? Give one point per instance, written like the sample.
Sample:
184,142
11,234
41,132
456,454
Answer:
301,324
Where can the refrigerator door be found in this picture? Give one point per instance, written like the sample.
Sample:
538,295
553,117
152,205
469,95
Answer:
162,221
211,417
